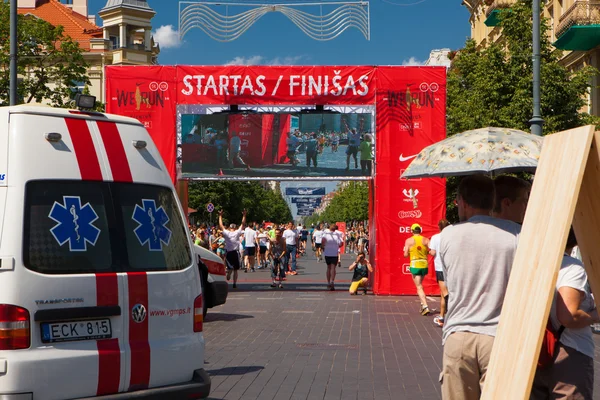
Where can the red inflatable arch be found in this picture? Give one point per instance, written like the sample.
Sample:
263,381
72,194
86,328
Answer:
410,105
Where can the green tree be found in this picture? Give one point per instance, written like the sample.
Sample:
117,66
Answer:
493,86
233,197
351,203
50,63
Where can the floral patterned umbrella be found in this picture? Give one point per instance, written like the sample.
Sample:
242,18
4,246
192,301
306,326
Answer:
486,150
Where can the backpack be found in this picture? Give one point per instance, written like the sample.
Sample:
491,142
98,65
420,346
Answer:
549,345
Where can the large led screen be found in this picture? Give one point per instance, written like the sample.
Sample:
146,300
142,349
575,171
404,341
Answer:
268,145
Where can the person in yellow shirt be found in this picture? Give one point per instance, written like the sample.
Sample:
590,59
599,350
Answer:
417,248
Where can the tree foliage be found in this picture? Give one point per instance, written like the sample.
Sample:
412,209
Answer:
351,203
493,86
49,62
233,197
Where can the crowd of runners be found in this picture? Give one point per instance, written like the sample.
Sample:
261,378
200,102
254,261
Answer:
253,246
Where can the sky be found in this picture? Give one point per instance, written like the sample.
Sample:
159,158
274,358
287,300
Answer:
403,32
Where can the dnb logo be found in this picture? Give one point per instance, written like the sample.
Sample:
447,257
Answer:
152,227
75,224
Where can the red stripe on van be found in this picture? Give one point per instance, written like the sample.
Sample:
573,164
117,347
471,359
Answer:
89,166
115,151
109,353
138,332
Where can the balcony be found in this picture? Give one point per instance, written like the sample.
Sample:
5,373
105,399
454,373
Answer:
579,27
492,12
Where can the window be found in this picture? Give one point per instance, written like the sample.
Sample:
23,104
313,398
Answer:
154,232
74,227
67,2
74,214
114,42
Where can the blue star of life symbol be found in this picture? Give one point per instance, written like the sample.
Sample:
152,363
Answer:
152,227
75,224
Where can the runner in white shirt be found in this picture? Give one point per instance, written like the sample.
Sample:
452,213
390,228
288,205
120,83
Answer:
232,237
263,248
434,248
331,242
317,240
251,243
291,240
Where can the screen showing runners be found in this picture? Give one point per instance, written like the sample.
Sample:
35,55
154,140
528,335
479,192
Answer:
265,145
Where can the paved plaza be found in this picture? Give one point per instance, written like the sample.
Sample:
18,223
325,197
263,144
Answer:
303,342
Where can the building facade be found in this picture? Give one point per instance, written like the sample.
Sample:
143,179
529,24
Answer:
124,38
574,28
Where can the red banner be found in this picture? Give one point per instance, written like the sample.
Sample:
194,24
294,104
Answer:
149,95
410,113
275,85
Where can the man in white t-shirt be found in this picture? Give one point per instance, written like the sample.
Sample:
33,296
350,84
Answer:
291,243
317,238
232,243
434,248
331,243
251,243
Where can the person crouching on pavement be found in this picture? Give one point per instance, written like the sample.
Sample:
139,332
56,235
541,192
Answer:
417,248
361,268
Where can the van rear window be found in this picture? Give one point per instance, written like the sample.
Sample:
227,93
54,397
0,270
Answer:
88,227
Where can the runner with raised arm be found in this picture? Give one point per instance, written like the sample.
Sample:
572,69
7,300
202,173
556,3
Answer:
232,237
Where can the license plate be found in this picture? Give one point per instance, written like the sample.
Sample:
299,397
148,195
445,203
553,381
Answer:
80,330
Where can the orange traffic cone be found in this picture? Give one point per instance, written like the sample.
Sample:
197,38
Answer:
220,172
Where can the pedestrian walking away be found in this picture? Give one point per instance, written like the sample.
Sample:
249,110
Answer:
434,247
291,240
232,243
278,253
332,242
251,238
360,279
417,248
317,238
477,256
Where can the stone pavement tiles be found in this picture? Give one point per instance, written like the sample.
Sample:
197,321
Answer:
303,342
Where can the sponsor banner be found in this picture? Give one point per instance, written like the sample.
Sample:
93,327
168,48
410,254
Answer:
149,95
275,85
307,200
411,109
305,191
305,213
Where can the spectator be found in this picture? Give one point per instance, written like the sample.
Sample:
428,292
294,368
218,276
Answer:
361,268
434,246
512,195
571,375
477,256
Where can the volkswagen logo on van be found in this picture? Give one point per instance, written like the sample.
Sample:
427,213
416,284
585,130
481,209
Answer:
138,313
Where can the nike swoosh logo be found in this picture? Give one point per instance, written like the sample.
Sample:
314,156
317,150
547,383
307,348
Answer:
407,158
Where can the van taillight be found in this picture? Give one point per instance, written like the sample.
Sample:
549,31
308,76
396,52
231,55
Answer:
14,328
198,315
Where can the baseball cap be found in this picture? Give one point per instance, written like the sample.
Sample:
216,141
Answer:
415,226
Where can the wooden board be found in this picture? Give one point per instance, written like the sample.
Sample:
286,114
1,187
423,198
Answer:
537,261
587,218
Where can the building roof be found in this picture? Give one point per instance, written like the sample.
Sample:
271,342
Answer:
75,25
134,4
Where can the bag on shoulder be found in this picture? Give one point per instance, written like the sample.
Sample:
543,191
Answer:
549,345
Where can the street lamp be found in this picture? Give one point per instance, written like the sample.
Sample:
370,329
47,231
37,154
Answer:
536,121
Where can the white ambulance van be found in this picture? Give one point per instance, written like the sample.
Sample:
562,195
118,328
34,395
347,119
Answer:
212,274
100,294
